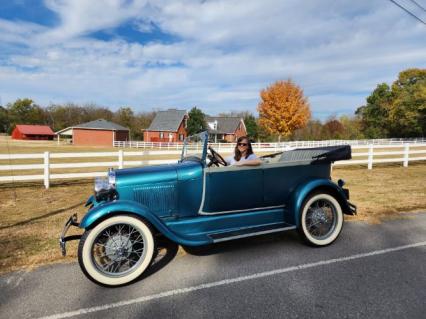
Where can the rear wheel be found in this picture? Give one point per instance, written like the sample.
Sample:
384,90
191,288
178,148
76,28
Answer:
321,219
116,251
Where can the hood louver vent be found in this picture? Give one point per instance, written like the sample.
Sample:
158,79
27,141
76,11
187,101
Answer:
160,199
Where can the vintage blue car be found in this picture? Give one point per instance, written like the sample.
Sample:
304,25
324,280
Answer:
200,201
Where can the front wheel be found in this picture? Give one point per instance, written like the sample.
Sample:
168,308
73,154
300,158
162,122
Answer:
321,219
116,251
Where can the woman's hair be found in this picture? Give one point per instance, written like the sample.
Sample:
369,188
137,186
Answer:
237,153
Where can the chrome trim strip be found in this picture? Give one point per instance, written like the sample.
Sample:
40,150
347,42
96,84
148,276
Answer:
240,210
254,234
200,210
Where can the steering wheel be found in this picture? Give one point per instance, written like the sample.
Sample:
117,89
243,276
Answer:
215,158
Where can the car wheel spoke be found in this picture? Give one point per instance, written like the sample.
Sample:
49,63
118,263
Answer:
320,219
118,249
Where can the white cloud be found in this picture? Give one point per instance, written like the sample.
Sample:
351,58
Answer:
227,51
79,17
18,32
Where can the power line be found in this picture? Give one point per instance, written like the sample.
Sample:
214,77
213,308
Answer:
409,12
419,5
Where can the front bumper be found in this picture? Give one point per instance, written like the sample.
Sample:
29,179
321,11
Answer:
352,208
72,221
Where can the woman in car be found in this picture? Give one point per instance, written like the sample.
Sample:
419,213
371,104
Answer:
243,154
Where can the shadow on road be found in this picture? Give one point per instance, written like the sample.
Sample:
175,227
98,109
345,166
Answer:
165,253
242,244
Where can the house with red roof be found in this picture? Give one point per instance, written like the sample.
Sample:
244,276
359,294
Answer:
32,132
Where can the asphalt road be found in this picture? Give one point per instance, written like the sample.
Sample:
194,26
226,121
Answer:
371,271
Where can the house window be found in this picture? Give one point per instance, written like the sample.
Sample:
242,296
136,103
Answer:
161,135
180,137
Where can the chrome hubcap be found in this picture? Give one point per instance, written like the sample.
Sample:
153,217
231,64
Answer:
118,250
321,219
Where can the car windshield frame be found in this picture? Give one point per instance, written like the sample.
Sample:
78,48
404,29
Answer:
195,147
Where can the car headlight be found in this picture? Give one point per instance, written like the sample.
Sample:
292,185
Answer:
105,187
101,184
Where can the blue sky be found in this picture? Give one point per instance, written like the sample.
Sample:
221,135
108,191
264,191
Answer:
216,55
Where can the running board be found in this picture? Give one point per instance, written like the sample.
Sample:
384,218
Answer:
249,232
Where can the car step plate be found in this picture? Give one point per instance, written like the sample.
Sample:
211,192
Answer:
250,231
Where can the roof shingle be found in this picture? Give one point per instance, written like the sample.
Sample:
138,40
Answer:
167,120
225,125
102,124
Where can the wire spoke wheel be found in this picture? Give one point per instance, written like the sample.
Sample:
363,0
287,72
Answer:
321,219
116,251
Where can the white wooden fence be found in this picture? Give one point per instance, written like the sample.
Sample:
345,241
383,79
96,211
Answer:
268,145
372,154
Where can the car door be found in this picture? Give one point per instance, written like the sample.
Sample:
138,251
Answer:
281,179
233,188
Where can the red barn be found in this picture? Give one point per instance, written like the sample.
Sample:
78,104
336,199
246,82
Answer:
32,132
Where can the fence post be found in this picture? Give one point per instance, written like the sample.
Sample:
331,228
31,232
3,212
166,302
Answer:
370,156
46,169
406,152
120,159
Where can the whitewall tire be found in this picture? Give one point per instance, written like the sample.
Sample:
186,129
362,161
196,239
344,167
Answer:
321,219
116,251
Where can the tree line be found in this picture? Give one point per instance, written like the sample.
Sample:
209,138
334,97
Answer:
396,110
60,116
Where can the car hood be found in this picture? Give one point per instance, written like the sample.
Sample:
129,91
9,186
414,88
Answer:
146,175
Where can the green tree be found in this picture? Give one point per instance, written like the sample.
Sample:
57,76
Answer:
24,111
399,111
196,121
374,115
251,126
352,127
4,120
408,112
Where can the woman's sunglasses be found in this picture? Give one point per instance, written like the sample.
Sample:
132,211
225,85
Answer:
242,144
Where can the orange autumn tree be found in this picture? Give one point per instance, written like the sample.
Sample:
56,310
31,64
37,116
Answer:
283,108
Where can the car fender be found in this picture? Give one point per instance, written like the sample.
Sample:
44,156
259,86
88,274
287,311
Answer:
305,188
109,209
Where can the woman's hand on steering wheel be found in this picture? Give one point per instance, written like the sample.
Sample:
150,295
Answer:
215,158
